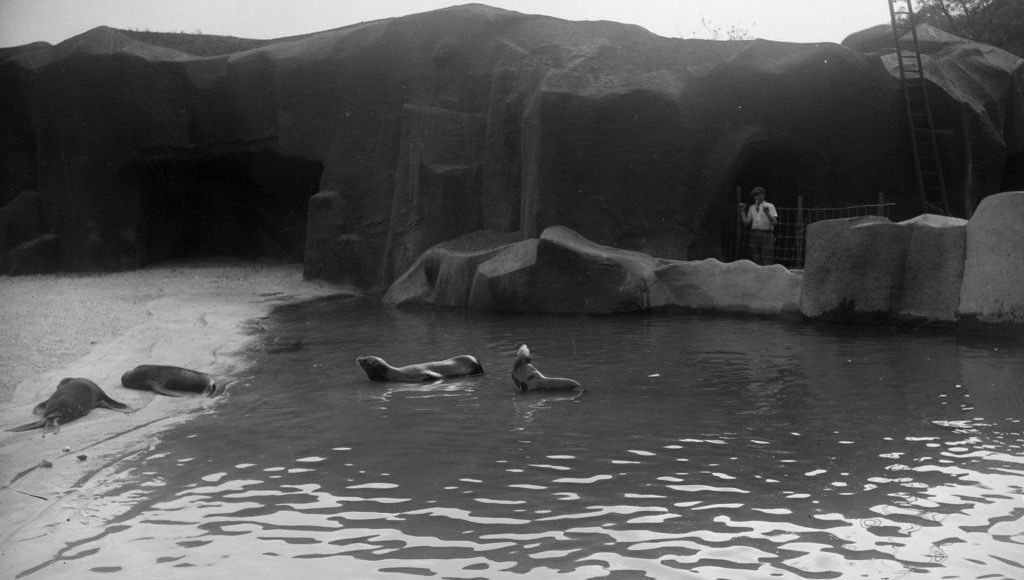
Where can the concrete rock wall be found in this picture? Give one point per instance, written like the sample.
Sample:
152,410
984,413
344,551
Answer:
509,121
993,286
563,272
434,125
927,268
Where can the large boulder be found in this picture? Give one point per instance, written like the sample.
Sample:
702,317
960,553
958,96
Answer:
934,269
567,273
853,268
993,286
870,269
740,286
444,274
504,282
563,272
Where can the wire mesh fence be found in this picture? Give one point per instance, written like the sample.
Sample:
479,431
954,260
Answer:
791,230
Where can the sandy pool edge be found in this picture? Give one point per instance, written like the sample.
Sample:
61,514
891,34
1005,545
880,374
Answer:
202,316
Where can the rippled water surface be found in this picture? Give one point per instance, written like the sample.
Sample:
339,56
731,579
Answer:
703,448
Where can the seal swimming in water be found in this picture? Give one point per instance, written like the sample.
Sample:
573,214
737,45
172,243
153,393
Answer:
377,369
528,378
169,380
73,399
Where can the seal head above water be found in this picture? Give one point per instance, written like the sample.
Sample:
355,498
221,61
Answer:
169,380
73,399
377,369
528,378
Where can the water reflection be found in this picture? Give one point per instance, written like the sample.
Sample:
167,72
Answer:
703,448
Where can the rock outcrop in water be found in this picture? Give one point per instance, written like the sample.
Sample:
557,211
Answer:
874,269
928,268
993,287
563,272
146,147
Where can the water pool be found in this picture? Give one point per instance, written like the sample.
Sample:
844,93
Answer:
703,448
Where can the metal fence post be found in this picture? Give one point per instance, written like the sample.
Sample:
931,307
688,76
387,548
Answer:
738,239
801,234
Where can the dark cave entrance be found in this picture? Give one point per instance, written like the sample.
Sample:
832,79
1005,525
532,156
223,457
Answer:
792,177
1013,173
248,205
785,174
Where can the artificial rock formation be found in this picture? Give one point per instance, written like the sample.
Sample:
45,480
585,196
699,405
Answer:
871,269
928,268
146,147
993,279
27,244
563,272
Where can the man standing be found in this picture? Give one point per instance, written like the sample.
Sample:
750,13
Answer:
761,216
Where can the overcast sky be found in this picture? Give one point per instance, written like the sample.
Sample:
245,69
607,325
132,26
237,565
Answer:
24,21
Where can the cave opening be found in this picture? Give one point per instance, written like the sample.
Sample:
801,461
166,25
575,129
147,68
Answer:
790,176
240,205
785,174
1013,173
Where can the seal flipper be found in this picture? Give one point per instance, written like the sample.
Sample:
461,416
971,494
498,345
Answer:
112,405
29,426
432,376
39,409
159,388
108,403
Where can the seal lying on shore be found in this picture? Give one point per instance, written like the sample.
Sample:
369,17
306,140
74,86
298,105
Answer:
169,380
528,378
73,399
377,369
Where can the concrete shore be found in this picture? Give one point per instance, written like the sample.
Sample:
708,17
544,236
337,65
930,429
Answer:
203,316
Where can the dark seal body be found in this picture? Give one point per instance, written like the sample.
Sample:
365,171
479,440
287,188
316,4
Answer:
169,380
73,399
377,369
528,378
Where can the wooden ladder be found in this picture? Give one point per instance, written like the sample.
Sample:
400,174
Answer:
930,182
